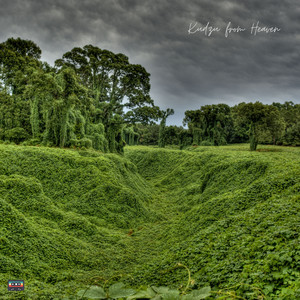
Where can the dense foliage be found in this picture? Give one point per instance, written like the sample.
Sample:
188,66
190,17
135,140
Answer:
232,217
212,123
71,219
228,214
95,98
215,125
66,213
81,102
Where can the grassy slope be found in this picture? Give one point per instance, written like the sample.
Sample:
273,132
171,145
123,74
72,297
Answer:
233,217
230,215
65,215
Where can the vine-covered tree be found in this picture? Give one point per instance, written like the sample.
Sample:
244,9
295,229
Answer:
130,135
81,102
265,123
14,118
148,134
113,83
253,115
162,127
54,96
290,113
272,127
212,123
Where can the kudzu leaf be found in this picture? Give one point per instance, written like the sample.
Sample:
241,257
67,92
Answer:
151,292
171,295
117,290
94,292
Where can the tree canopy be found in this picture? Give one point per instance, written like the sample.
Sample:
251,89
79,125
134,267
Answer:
95,98
86,99
212,123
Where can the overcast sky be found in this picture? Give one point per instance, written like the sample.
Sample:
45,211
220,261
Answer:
187,69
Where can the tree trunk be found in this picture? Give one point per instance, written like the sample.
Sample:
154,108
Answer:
253,138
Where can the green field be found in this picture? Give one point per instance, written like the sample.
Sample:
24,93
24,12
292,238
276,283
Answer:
229,215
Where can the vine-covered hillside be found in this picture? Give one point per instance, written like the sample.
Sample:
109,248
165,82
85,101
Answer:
229,215
64,212
235,220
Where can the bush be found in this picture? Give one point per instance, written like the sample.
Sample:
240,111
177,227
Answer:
85,142
16,134
206,143
31,142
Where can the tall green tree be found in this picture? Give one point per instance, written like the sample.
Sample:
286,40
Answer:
148,134
113,84
54,96
290,113
272,127
253,114
143,114
16,57
211,123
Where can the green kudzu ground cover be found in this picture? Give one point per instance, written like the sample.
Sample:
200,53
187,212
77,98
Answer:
230,215
238,217
66,214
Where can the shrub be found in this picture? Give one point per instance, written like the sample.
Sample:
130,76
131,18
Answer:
16,134
206,143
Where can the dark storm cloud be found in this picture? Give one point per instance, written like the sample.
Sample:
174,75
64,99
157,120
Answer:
187,71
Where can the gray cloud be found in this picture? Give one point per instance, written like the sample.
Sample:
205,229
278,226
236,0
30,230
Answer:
187,71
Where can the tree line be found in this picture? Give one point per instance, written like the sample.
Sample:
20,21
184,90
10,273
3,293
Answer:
95,98
220,124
